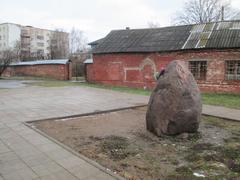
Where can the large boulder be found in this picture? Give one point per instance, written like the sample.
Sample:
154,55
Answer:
175,105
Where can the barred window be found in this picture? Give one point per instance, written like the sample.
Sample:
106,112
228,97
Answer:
198,69
232,70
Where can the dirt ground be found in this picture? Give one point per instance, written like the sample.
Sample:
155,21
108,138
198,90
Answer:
119,141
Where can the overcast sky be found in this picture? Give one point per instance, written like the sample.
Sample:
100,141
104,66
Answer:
95,18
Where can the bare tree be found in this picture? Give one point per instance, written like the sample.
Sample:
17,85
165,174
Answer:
237,16
204,11
78,42
152,24
59,44
5,60
9,55
17,49
78,51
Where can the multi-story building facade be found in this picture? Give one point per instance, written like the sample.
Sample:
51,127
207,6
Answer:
10,35
35,43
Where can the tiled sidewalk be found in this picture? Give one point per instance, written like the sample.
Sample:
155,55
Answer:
222,112
25,154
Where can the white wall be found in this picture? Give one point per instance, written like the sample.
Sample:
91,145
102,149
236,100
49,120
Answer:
14,35
4,36
10,34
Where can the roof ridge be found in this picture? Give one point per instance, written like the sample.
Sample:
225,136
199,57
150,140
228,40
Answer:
172,26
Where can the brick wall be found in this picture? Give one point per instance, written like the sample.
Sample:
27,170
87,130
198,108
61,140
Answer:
54,71
138,69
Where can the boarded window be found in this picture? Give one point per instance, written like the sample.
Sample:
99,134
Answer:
133,75
114,73
232,70
198,69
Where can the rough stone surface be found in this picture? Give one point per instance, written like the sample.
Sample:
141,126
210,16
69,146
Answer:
175,105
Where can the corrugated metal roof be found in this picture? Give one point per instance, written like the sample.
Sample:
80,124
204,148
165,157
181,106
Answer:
210,35
96,42
198,28
199,36
144,40
41,62
236,25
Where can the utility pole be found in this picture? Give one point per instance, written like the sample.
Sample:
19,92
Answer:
222,13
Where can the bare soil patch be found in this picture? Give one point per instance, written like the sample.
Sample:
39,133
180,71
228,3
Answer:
119,141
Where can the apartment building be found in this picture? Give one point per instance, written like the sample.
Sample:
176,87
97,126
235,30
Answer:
10,34
35,43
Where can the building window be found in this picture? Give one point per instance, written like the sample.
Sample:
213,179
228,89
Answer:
40,44
40,37
198,69
232,70
40,52
54,41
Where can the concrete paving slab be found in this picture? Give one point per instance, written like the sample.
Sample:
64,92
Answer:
24,150
222,112
10,84
100,177
26,154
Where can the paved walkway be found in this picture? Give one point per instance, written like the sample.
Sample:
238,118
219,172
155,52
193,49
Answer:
8,84
25,154
222,112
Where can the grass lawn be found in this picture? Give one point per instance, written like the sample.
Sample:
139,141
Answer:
227,100
22,78
55,83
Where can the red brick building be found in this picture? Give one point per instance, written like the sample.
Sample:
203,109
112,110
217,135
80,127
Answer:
133,57
54,69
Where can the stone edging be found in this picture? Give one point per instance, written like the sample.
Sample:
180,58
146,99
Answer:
93,163
87,114
224,118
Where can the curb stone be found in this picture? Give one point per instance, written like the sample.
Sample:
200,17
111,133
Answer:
91,162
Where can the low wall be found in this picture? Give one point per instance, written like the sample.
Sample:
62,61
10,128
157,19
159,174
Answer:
53,71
